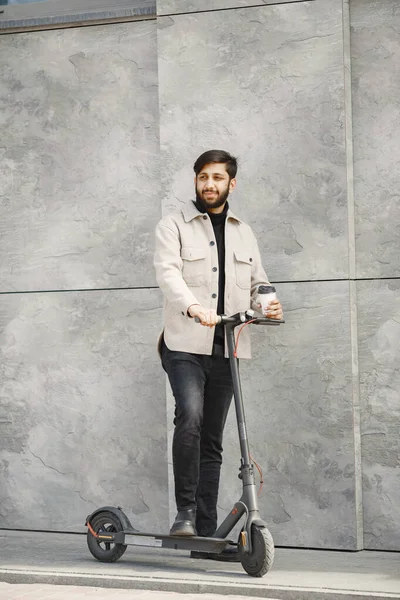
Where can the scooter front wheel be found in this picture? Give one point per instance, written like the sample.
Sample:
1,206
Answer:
105,522
260,560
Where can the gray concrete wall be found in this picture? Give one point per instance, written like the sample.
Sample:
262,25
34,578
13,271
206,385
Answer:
79,312
259,87
259,95
283,87
168,7
376,121
83,418
306,94
79,158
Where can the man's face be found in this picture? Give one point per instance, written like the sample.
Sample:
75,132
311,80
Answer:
213,186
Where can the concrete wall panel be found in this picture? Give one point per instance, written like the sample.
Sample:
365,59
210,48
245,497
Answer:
83,416
375,45
298,401
265,83
379,352
297,391
79,157
167,7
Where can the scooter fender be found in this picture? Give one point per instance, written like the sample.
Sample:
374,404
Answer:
260,523
118,512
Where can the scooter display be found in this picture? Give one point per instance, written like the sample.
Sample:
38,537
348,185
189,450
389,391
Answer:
110,531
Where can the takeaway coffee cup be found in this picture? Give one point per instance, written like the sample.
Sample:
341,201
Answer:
266,293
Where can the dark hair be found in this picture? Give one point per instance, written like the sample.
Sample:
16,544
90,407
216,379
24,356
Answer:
217,156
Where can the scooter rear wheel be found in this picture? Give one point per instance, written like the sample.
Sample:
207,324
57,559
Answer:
259,562
105,551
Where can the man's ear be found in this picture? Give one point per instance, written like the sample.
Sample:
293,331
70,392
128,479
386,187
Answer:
232,184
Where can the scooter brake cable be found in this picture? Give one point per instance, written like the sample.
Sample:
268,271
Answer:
259,469
238,335
92,531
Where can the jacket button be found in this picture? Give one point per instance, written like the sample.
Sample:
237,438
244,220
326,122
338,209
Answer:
212,243
215,269
250,259
205,217
214,295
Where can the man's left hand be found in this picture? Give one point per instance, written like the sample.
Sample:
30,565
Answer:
274,310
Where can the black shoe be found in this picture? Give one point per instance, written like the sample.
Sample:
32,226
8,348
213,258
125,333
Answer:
185,523
230,554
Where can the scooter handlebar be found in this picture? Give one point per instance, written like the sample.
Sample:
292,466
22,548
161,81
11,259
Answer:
266,321
240,318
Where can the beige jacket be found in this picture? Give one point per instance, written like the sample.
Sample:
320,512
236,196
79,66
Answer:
186,252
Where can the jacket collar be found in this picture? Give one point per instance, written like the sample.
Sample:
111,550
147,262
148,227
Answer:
190,212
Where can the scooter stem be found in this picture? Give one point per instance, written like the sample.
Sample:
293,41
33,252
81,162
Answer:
238,396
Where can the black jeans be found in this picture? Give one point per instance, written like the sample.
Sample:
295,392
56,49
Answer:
202,387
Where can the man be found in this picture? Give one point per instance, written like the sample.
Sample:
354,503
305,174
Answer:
207,263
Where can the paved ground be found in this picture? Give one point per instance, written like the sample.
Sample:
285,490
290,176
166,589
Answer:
25,591
63,559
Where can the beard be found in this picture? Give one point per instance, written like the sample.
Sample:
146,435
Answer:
216,202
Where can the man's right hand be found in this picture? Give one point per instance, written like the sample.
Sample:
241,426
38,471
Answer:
207,316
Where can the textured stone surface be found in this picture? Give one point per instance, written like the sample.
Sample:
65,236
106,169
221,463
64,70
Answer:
82,394
379,356
267,84
83,421
166,7
298,402
79,157
375,44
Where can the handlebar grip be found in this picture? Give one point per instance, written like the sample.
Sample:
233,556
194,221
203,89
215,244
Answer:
267,321
219,319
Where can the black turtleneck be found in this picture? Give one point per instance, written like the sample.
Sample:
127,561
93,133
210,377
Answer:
218,223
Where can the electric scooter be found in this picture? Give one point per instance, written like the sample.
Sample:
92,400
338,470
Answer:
110,531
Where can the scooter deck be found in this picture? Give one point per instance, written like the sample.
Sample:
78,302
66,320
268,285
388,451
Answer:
150,540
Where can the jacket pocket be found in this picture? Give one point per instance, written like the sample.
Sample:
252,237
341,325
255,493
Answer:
243,263
193,269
